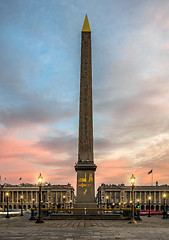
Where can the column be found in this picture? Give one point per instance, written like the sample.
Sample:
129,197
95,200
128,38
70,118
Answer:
31,196
3,197
17,196
140,197
154,197
61,196
26,196
159,198
12,193
36,196
115,196
145,197
56,198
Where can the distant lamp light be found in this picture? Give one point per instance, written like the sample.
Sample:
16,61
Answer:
138,203
107,198
132,179
64,197
7,194
149,199
40,179
21,197
164,212
7,197
164,195
70,203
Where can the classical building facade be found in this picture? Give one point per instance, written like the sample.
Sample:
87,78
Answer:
116,196
53,196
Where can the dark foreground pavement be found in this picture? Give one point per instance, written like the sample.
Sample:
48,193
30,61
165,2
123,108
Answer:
22,228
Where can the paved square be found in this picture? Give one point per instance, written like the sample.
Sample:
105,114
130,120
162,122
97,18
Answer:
22,228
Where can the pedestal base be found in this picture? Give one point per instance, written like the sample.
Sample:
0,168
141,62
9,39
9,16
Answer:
133,221
39,220
85,208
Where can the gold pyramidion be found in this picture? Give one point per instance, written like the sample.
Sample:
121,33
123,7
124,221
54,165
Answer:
86,26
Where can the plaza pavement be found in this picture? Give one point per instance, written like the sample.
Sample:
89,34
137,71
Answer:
18,228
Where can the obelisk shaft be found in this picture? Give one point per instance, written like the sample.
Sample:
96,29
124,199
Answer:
85,166
86,112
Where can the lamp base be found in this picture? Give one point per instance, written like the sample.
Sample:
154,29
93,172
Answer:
132,220
39,220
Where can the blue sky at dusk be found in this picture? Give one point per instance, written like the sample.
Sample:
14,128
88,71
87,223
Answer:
40,45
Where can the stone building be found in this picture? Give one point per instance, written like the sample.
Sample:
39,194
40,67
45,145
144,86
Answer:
116,196
57,196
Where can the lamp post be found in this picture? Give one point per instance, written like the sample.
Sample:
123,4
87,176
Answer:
7,198
149,199
130,204
70,204
107,198
40,179
64,201
21,205
132,220
164,212
32,210
33,202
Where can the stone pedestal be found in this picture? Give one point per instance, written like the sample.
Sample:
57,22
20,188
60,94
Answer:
85,185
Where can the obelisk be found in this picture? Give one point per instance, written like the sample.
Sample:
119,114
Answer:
85,166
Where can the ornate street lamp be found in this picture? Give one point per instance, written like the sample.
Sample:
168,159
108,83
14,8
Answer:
64,197
21,205
132,220
40,179
164,212
33,202
149,199
7,197
107,198
70,204
32,210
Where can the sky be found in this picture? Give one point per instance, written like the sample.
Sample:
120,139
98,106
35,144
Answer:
40,45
